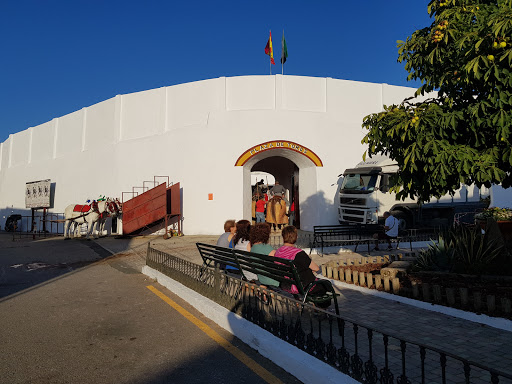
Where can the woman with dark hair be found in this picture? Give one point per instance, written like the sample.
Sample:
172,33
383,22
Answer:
259,236
305,266
241,238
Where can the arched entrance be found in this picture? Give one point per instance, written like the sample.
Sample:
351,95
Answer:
293,165
287,173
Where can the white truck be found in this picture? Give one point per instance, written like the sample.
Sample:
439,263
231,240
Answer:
364,196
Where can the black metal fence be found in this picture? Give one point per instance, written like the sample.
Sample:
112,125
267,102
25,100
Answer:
358,350
51,224
305,239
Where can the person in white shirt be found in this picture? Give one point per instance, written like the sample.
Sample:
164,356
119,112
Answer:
391,225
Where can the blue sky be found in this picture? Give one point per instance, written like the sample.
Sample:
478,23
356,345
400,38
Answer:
60,56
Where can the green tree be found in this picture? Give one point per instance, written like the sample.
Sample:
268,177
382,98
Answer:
463,133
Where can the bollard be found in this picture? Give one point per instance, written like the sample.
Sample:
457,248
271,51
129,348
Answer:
329,272
396,285
450,296
437,293
348,275
506,305
355,277
477,300
362,280
415,289
464,297
335,274
425,289
324,270
369,280
386,284
491,303
341,272
378,282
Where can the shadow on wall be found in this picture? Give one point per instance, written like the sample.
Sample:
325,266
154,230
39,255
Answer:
52,225
318,210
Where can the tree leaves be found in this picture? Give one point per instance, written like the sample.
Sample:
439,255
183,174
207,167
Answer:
463,134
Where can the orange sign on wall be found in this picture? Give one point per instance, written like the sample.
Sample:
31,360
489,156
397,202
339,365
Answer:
279,144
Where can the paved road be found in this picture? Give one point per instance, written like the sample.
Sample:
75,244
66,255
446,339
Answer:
99,323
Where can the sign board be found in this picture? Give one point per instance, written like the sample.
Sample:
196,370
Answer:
279,144
37,194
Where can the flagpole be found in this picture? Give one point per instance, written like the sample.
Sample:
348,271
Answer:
282,64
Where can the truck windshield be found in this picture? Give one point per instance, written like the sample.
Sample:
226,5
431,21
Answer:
359,183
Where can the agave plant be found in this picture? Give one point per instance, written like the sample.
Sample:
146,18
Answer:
461,250
474,252
438,256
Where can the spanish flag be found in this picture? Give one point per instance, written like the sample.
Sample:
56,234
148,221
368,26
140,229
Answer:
268,49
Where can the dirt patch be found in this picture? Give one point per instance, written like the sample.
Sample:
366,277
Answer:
373,268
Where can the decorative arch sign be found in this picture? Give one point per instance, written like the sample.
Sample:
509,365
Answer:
279,144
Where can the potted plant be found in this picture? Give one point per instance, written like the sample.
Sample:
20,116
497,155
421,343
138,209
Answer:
503,216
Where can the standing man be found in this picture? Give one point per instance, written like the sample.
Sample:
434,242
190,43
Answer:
278,190
391,225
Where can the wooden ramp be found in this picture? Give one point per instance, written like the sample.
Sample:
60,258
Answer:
159,204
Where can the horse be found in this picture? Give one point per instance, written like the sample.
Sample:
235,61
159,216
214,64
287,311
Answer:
276,211
80,214
113,208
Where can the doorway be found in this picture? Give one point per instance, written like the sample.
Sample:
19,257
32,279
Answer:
286,172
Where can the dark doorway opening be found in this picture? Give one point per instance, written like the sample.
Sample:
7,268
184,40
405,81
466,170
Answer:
287,173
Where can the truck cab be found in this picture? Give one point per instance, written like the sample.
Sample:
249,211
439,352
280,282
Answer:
364,193
364,196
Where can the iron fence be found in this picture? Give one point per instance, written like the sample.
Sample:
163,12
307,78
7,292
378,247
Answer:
356,349
305,239
51,224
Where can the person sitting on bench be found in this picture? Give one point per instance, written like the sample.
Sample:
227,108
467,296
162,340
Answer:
390,232
305,266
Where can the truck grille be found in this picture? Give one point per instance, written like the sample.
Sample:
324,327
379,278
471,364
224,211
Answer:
354,219
352,201
353,212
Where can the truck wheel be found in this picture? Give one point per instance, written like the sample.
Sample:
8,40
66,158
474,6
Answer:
404,220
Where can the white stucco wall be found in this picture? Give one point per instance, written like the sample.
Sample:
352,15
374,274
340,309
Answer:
194,133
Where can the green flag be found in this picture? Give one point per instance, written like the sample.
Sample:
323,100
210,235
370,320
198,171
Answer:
284,50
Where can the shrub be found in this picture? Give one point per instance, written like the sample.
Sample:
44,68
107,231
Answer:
498,214
462,250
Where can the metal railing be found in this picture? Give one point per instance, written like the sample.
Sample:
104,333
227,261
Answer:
360,350
305,240
39,226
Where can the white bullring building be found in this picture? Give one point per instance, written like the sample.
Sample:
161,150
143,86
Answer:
209,136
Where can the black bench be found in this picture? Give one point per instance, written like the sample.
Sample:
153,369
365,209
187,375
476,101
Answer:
280,270
339,235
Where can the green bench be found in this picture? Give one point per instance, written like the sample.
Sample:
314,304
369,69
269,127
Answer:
280,270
